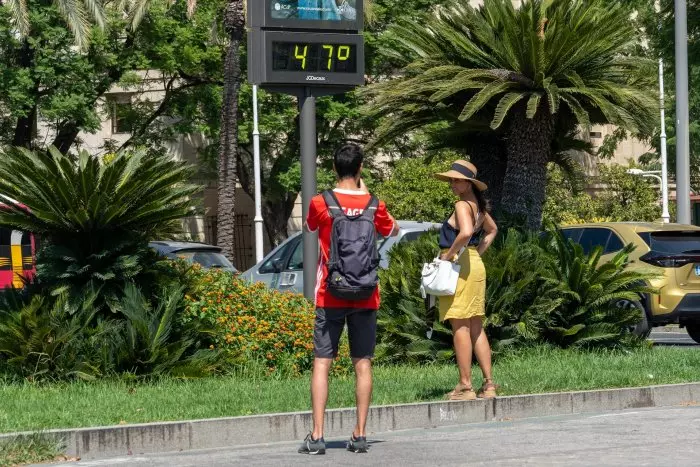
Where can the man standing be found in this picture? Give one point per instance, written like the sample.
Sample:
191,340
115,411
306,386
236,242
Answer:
350,296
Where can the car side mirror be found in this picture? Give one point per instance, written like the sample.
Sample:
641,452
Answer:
277,265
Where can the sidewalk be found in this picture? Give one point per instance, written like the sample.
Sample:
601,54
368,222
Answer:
114,441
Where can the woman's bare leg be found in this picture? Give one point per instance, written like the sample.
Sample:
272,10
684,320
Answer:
463,349
482,349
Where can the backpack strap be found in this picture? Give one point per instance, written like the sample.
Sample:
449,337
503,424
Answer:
371,208
334,209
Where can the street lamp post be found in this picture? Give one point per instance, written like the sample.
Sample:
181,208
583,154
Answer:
659,175
664,162
682,129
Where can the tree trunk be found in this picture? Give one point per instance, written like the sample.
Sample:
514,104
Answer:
489,157
234,23
24,129
528,146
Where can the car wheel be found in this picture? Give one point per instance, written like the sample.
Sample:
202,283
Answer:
642,328
693,331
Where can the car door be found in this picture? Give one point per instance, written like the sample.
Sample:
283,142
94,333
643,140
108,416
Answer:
292,277
270,270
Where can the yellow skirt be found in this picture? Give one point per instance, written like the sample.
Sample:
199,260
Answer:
469,300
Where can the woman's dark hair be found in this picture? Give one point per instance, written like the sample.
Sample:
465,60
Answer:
484,205
348,160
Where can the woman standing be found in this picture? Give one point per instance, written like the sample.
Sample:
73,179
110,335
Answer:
465,310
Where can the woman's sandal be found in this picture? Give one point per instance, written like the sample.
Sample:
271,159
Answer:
488,390
461,393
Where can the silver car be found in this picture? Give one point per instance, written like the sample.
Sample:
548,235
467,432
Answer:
283,268
208,256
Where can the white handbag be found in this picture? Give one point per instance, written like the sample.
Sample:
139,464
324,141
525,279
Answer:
439,278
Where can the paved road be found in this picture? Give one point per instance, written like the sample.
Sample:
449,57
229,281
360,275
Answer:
662,436
672,337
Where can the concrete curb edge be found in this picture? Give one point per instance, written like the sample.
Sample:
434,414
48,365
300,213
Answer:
120,440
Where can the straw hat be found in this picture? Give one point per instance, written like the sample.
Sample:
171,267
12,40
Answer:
462,170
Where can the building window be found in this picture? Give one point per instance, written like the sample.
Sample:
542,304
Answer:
120,110
595,134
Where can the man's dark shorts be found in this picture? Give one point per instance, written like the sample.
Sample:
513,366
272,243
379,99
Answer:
362,331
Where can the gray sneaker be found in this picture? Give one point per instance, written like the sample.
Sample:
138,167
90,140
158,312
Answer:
312,446
358,444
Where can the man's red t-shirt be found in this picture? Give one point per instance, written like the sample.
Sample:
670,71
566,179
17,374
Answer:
353,203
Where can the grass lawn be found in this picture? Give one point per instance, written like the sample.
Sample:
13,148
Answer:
109,402
30,450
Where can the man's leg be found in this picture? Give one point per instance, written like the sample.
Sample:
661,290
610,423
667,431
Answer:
363,393
327,330
362,334
319,393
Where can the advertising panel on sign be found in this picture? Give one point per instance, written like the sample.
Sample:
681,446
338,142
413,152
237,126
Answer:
306,14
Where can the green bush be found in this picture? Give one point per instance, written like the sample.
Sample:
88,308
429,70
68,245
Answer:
41,339
95,218
260,325
520,294
413,193
625,198
539,290
402,320
589,315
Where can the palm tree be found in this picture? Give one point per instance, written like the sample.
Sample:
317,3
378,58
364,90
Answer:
94,217
234,24
525,72
80,17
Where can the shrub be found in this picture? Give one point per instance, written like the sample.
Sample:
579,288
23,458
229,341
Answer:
626,198
413,193
589,315
402,319
94,218
40,339
266,326
520,294
539,290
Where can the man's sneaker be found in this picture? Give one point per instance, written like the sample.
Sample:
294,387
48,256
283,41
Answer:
358,444
312,446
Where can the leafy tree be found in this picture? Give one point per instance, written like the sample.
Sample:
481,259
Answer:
660,31
523,72
45,79
624,197
413,193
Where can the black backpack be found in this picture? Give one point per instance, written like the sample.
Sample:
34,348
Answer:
354,258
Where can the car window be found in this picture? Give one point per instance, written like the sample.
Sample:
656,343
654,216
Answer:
573,234
280,253
614,245
411,236
208,259
673,242
296,261
593,237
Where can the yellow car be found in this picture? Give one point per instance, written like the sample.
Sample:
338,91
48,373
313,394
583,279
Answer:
672,250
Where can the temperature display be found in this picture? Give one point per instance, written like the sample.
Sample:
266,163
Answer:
314,57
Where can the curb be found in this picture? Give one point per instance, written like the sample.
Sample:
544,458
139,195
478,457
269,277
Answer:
114,441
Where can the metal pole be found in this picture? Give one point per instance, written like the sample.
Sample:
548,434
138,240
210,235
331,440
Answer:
257,220
307,124
682,135
664,163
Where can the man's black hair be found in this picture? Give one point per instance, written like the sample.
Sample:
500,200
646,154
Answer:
348,160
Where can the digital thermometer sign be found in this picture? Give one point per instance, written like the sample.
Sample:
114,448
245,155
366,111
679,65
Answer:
304,58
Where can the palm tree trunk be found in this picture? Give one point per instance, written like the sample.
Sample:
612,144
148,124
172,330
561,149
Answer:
528,146
489,156
234,23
